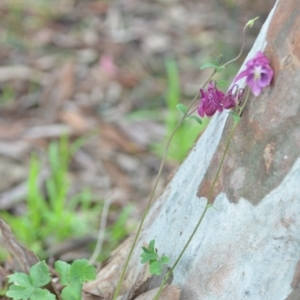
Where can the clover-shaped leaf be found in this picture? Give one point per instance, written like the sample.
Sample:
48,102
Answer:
26,286
82,271
156,268
73,276
39,274
72,291
63,269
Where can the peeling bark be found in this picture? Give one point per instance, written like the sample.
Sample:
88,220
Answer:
248,247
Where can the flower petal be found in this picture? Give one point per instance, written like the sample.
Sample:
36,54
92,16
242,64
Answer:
266,77
211,100
250,80
241,75
201,111
256,89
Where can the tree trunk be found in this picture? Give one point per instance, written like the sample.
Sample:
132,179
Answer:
248,245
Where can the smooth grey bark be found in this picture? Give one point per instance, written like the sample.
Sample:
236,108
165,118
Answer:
248,247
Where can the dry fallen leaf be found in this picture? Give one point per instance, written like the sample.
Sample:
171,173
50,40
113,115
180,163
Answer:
58,89
142,278
146,282
25,256
170,292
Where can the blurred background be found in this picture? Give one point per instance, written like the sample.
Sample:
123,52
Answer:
88,91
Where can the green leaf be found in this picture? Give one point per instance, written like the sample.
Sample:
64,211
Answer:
63,269
39,274
197,119
20,279
156,268
220,69
164,260
222,83
19,292
182,108
235,116
152,246
22,287
208,65
72,291
146,250
44,294
148,257
82,271
217,61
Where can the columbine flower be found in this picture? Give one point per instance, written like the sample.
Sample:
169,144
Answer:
211,100
258,73
232,97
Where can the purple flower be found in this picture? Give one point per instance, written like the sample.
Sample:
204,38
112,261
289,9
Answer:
211,100
232,97
258,73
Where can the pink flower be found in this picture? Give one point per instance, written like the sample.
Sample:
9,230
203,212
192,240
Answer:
258,73
232,97
211,100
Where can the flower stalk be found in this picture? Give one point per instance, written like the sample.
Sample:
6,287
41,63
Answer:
208,204
117,291
259,75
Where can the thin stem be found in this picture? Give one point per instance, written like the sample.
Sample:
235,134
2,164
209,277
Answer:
208,204
101,233
244,104
229,62
153,191
242,49
156,297
190,113
222,161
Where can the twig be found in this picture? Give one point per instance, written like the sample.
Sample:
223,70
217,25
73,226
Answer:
101,232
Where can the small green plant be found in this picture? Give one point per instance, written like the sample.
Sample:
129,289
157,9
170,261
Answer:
30,286
54,210
73,276
156,262
24,286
